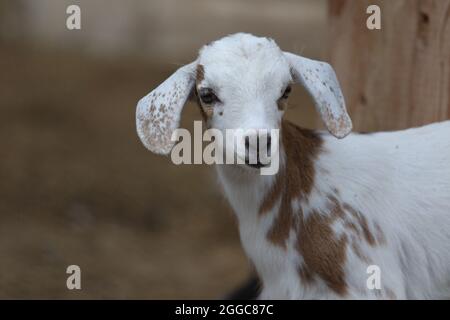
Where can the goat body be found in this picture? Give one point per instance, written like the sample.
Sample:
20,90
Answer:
337,208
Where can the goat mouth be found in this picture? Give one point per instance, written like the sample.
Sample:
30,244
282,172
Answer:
257,165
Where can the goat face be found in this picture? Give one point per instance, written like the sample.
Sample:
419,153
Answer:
241,82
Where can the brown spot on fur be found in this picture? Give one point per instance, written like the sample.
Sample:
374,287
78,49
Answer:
305,274
363,224
335,209
197,100
202,110
352,227
366,231
273,195
381,238
206,111
200,76
324,254
358,251
294,180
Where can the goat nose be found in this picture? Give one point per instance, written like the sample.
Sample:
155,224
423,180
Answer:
269,142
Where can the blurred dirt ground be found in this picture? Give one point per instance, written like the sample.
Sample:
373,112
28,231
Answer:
77,186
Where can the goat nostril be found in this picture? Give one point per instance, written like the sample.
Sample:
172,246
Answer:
247,143
269,142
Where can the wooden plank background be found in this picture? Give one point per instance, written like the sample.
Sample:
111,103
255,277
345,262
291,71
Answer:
396,77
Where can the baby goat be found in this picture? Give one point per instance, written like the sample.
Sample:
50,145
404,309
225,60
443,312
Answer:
335,207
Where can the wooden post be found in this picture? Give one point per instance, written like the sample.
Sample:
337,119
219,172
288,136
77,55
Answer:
396,77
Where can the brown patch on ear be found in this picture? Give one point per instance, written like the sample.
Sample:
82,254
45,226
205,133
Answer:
324,254
294,180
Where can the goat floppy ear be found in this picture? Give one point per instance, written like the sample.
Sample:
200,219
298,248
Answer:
320,81
158,113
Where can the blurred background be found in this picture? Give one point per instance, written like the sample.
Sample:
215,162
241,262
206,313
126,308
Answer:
77,186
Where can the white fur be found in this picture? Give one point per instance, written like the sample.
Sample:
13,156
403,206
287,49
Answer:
400,181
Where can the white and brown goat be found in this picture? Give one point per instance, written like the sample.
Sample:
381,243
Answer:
336,206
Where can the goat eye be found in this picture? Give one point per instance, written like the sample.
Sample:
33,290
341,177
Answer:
207,96
286,92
